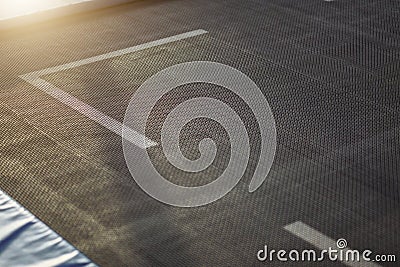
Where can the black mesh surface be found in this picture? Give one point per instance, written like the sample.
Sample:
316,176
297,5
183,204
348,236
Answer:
330,71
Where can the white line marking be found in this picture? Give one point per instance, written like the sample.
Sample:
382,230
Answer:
322,241
171,39
92,113
113,125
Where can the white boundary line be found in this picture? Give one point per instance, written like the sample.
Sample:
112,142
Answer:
113,125
322,241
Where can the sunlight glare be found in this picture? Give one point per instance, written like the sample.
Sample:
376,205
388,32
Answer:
16,8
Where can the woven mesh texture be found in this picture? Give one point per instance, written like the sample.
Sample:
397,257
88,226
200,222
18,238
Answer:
330,72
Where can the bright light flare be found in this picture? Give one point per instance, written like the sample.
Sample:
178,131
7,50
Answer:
15,8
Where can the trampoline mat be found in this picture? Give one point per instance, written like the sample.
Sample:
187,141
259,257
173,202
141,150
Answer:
329,71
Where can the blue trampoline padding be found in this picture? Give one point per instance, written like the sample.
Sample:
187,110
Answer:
27,241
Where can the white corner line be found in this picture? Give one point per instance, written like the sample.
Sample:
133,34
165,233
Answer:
136,48
111,124
321,241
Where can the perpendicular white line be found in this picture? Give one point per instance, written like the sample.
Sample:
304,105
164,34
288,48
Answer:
182,36
92,113
87,110
322,241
